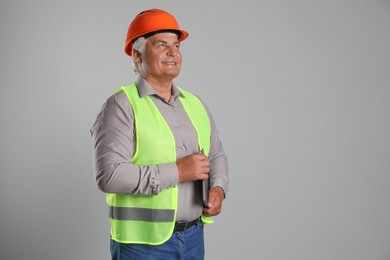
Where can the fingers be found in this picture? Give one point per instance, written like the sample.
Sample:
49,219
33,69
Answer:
213,209
193,167
200,166
214,204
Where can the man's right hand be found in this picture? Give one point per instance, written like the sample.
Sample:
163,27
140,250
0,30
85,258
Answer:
193,167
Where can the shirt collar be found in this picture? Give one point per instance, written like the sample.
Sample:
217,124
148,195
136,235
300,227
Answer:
145,89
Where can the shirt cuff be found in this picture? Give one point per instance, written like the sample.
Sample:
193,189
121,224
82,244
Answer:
222,184
169,175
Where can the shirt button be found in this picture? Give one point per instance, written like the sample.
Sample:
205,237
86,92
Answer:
179,126
183,148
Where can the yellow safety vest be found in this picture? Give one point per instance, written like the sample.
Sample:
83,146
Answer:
150,219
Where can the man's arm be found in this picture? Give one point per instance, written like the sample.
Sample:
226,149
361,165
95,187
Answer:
219,172
113,136
219,169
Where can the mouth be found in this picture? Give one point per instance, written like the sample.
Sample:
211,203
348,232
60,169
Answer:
169,62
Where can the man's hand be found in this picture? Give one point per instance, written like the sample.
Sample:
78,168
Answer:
193,167
214,204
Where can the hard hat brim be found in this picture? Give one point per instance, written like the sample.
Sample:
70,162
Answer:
129,43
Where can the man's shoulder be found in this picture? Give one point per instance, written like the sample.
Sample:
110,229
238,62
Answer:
119,98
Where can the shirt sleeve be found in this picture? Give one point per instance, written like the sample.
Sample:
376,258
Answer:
113,136
219,169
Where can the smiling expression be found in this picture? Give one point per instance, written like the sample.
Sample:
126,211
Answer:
162,58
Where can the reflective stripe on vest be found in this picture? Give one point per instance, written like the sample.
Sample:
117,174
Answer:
142,214
150,219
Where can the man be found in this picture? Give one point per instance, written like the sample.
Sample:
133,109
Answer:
154,144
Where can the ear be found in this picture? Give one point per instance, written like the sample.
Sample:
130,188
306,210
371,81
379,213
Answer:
136,56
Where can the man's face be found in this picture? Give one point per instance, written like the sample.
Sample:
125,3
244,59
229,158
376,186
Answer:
162,58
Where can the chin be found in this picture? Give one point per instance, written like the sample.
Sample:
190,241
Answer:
173,73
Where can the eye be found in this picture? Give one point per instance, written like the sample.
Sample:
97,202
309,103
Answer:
160,45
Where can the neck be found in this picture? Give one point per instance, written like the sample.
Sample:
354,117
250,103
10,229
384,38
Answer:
162,87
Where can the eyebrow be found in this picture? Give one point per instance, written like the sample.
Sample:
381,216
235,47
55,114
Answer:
162,41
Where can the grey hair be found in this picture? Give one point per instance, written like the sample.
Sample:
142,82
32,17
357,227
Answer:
138,46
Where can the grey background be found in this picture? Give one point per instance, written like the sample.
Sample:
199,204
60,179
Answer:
299,91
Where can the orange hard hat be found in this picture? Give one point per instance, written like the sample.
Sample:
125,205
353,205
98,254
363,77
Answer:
150,21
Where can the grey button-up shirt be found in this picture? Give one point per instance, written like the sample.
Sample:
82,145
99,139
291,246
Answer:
113,135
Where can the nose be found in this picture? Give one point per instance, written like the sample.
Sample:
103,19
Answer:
172,50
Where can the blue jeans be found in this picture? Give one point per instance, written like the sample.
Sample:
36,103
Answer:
186,245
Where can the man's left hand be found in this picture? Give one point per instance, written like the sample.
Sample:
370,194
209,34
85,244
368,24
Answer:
214,204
